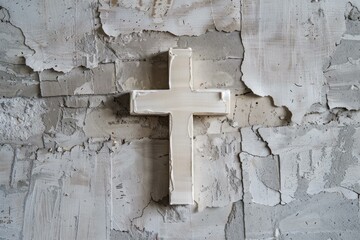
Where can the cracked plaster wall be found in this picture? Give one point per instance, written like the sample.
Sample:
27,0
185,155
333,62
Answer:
284,164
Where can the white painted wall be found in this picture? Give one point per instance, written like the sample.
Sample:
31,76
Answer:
284,164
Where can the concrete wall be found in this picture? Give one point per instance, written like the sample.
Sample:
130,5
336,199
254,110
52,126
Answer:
285,164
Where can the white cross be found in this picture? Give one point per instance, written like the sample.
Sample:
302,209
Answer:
180,102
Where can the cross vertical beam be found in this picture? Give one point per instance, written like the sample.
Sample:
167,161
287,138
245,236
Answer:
181,158
180,102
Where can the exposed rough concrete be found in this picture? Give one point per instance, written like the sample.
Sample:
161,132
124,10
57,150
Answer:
21,120
234,228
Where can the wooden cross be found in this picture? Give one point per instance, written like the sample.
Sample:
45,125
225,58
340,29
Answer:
180,102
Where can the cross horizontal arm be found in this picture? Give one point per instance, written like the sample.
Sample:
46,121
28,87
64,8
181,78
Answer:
149,102
205,102
210,102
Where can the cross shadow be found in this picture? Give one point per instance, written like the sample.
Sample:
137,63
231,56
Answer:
158,149
160,77
159,71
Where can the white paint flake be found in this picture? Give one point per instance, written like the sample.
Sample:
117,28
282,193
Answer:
189,17
61,34
279,36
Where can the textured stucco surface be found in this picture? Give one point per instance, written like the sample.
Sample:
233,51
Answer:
284,164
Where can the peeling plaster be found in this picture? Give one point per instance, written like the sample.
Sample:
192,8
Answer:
214,188
51,35
324,216
146,163
169,221
261,179
342,74
190,17
80,81
68,196
319,157
278,42
21,120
